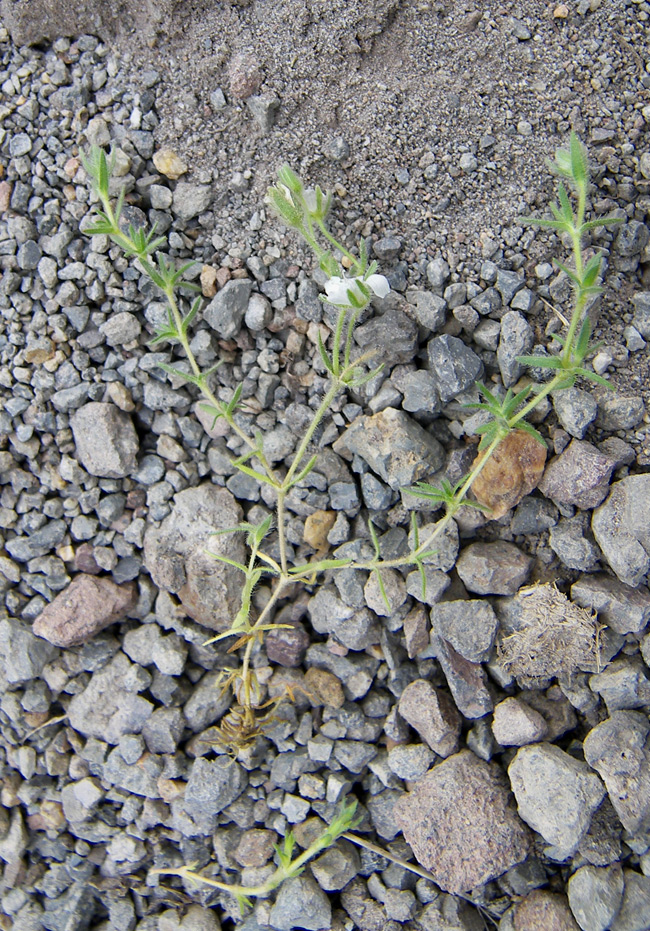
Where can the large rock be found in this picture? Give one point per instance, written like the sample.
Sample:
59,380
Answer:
621,527
105,439
556,795
180,554
579,476
618,749
109,706
460,822
85,607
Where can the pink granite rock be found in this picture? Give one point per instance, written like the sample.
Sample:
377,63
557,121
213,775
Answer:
86,606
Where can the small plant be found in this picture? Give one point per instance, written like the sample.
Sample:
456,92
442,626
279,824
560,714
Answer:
352,284
288,866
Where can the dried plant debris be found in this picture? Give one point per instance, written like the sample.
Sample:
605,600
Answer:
554,636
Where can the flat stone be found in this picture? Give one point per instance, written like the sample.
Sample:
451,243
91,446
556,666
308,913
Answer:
226,311
460,822
467,681
105,440
301,903
453,366
86,606
177,554
556,795
516,724
393,337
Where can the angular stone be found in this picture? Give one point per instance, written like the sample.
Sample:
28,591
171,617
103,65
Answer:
226,310
393,337
431,713
24,654
396,447
619,750
177,554
493,568
544,911
512,472
301,903
109,706
621,527
634,914
516,339
453,366
467,681
470,626
211,787
105,440
556,795
516,724
460,822
595,896
625,610
579,476
86,606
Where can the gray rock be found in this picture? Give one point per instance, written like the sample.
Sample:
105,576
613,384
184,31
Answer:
191,199
533,515
623,684
259,312
507,284
453,366
39,543
163,730
140,777
24,654
618,750
355,673
467,681
355,629
392,337
516,724
488,302
109,706
469,626
226,310
641,318
410,761
387,599
430,310
146,645
461,824
300,903
578,476
430,712
493,568
621,528
632,238
570,543
575,410
207,703
120,329
105,440
397,448
420,393
625,610
177,554
516,339
376,495
635,907
455,295
620,413
556,795
438,273
71,911
354,755
264,108
595,896
211,787
334,869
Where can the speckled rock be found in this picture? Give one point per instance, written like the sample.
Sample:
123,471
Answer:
621,528
86,606
544,911
431,713
105,440
460,822
579,476
493,568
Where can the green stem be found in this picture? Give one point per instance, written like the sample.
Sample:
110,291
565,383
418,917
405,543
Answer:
333,241
335,387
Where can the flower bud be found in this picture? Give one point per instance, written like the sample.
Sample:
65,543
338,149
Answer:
288,177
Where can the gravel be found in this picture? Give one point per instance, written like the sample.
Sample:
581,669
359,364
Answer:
110,485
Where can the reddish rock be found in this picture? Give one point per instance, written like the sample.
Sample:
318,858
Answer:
6,188
86,606
245,76
544,911
84,559
461,822
287,645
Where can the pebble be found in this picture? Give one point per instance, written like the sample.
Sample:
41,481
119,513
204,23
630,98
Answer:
105,440
493,568
579,476
431,713
619,526
86,606
469,626
516,724
595,895
301,903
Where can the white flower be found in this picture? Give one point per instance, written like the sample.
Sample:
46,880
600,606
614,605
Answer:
337,289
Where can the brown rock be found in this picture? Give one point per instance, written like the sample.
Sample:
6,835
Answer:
84,560
208,281
515,723
324,688
86,606
461,823
287,645
467,681
513,471
431,713
544,911
579,476
416,631
245,76
317,526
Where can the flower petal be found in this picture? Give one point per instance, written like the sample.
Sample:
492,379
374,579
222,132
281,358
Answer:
379,284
